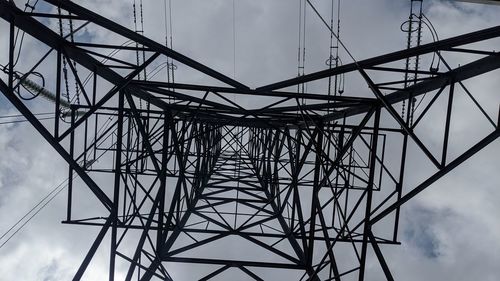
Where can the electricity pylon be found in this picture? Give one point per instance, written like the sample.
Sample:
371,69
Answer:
299,184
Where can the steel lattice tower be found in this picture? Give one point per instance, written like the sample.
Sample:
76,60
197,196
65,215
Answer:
303,183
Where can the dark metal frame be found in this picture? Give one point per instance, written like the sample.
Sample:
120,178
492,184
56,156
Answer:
295,179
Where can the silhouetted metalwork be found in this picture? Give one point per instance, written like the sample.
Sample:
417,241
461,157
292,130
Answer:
305,184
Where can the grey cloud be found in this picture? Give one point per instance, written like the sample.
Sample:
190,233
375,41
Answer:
451,233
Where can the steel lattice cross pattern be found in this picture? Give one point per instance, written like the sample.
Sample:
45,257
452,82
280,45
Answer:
297,184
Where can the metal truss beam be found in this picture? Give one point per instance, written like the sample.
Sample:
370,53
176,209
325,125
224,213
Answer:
288,179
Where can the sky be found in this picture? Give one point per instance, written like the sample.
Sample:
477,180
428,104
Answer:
448,232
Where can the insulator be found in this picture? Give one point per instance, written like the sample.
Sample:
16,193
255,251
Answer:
40,90
43,92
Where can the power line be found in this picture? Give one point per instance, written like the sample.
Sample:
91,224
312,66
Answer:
54,192
20,115
333,32
234,39
22,121
57,190
46,200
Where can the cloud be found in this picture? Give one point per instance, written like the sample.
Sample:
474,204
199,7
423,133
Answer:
449,232
420,231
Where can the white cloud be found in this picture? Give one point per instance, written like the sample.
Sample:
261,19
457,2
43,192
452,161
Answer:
458,214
